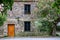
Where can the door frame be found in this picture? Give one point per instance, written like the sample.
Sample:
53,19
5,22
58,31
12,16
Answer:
8,29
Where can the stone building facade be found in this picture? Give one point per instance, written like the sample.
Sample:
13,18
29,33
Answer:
21,18
17,20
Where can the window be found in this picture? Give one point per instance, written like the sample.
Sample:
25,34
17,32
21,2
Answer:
27,8
27,26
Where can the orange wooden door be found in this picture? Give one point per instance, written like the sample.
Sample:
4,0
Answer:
11,30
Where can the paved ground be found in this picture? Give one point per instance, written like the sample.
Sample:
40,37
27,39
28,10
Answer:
30,38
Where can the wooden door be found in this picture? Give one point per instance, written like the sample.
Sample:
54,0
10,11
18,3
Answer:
11,30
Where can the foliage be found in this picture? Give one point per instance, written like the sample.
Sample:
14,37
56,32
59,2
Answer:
56,6
45,10
49,11
2,19
44,25
7,4
45,15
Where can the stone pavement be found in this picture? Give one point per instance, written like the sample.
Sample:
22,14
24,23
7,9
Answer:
32,38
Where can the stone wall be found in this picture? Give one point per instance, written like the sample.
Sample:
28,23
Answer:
18,11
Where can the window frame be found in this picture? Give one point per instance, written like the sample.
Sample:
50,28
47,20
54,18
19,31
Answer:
26,24
27,10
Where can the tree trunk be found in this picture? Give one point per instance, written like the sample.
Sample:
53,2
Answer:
54,30
1,31
54,26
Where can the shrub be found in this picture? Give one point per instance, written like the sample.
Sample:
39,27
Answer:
26,34
2,19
